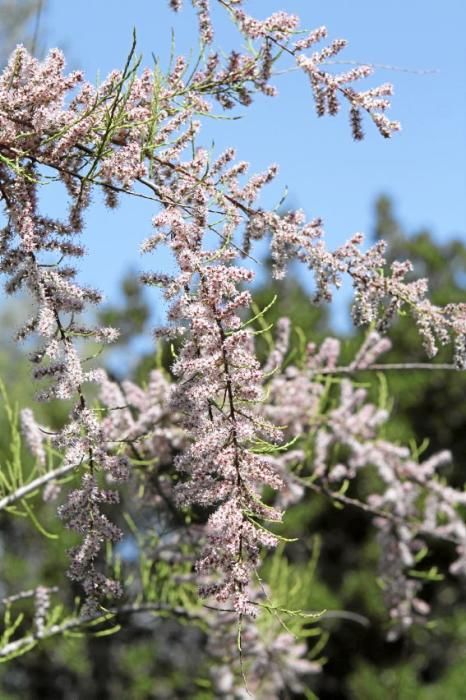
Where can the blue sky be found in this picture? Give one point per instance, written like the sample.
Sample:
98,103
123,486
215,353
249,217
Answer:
325,171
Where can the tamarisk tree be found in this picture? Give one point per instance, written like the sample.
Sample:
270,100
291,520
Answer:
222,444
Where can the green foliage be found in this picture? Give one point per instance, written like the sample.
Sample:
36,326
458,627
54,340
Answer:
17,474
291,602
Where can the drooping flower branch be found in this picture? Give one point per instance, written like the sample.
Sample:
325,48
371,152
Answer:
218,378
277,35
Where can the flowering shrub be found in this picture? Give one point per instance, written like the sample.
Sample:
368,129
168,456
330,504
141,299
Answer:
223,444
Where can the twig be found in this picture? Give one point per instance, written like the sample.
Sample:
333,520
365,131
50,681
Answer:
388,366
384,514
26,594
36,484
30,640
35,36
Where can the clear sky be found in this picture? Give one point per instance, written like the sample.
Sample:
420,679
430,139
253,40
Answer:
326,173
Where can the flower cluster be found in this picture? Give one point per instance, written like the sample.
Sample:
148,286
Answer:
82,513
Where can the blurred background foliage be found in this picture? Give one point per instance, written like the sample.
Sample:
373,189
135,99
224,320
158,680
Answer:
165,658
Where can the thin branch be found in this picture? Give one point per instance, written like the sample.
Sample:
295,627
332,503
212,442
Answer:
345,615
35,484
366,508
74,623
384,66
35,37
26,594
388,366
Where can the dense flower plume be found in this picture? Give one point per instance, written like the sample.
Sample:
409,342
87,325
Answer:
223,434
